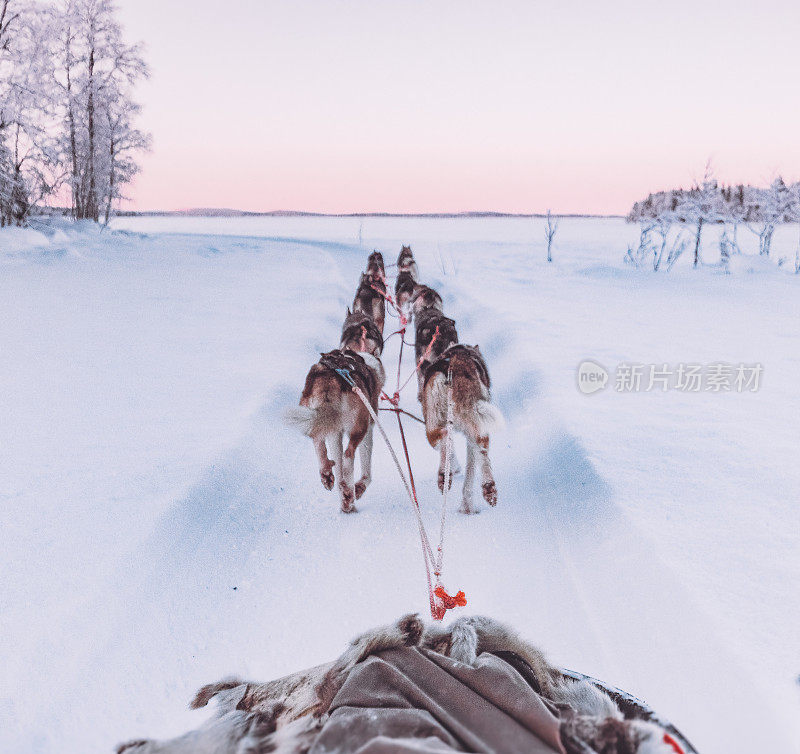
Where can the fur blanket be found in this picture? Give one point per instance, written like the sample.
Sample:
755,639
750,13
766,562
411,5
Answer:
288,715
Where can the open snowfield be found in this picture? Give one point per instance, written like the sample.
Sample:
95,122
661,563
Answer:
161,528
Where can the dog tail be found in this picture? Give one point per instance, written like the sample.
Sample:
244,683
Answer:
488,418
310,421
301,418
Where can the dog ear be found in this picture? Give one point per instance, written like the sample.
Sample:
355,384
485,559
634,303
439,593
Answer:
348,311
208,692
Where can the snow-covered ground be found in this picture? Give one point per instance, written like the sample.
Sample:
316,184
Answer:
161,528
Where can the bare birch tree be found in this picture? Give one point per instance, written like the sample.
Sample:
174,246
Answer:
773,207
701,205
550,230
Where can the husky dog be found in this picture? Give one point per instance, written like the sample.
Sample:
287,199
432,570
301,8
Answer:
375,267
406,262
361,334
435,333
329,409
403,289
285,716
424,297
370,298
473,415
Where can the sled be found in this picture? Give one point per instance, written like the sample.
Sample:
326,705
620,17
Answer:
632,707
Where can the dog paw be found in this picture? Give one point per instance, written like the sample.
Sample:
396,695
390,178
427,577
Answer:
348,500
411,628
361,488
468,510
326,475
441,481
490,493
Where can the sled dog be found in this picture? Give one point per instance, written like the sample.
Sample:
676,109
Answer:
375,267
403,290
424,297
407,263
473,415
435,333
330,410
361,334
370,299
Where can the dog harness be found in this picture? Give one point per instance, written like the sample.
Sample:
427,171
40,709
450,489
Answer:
442,364
427,323
352,329
352,370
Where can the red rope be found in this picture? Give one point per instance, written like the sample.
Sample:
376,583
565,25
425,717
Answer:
421,358
668,739
390,299
440,601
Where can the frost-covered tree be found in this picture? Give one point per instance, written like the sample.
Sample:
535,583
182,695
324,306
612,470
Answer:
97,72
701,205
28,156
734,213
792,215
774,206
123,142
67,111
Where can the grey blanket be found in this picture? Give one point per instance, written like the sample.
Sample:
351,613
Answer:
415,700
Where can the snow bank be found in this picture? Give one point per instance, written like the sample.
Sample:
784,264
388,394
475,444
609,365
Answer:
15,240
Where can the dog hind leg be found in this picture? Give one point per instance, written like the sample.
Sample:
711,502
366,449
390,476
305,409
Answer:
356,435
469,479
365,455
325,463
488,486
338,461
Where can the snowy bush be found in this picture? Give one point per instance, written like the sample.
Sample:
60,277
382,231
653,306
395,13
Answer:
655,248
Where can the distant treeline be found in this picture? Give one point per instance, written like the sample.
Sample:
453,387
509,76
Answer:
719,203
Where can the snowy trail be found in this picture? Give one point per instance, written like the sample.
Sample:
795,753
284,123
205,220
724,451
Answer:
247,561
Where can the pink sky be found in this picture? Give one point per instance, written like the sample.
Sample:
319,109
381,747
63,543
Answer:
452,105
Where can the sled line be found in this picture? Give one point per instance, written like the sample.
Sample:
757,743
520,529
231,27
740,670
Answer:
440,601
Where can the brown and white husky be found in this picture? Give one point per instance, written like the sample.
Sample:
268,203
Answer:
424,297
473,415
435,333
407,263
330,410
370,298
375,267
403,290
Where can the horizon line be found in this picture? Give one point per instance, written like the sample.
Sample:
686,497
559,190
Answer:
230,212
